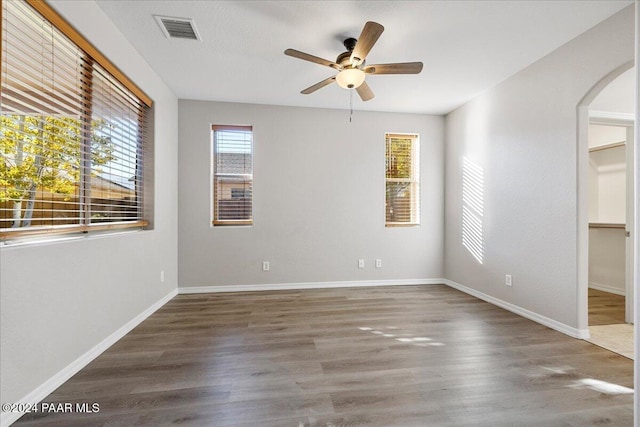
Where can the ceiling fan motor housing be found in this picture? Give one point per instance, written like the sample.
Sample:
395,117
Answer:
350,44
344,59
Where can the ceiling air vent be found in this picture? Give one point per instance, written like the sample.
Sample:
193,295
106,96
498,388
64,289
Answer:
178,28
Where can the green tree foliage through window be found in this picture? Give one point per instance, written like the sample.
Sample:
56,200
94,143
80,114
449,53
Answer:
402,179
45,153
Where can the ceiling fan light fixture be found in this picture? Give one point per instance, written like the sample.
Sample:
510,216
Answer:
350,78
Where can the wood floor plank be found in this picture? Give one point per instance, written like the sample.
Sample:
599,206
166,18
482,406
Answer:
605,308
383,356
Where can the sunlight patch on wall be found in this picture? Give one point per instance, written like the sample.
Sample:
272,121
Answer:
472,208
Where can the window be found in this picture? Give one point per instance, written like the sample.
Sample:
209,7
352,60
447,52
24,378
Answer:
232,175
71,132
402,163
238,193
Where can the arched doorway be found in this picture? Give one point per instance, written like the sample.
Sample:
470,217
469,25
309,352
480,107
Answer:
582,150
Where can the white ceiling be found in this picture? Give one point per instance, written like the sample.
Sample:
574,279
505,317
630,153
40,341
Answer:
466,46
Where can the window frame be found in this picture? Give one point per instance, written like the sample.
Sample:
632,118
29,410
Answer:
413,181
215,222
91,55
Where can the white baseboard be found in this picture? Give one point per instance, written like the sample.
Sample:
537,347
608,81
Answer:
45,389
305,285
607,288
543,320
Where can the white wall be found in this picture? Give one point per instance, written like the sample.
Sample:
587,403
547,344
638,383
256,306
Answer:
607,259
59,300
635,231
523,134
318,198
618,96
611,182
607,190
603,134
594,191
612,195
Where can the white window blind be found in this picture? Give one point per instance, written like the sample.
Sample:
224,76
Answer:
72,135
402,202
232,175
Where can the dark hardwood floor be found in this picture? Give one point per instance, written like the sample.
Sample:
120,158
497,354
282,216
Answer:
605,308
384,356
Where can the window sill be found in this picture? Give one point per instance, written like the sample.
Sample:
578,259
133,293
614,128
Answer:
231,223
42,232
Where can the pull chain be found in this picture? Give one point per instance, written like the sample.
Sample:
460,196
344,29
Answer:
350,105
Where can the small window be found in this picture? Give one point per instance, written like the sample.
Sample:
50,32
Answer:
402,204
232,175
239,193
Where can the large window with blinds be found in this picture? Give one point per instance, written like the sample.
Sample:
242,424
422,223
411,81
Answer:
72,131
402,161
232,167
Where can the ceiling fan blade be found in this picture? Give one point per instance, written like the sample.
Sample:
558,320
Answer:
365,92
305,56
318,85
367,39
397,68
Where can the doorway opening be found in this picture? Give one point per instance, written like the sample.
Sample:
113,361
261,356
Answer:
610,279
607,246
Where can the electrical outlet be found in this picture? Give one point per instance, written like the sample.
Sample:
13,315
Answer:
360,263
378,263
508,280
266,266
161,276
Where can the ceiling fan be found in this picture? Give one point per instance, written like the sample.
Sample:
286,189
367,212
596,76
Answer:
351,64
